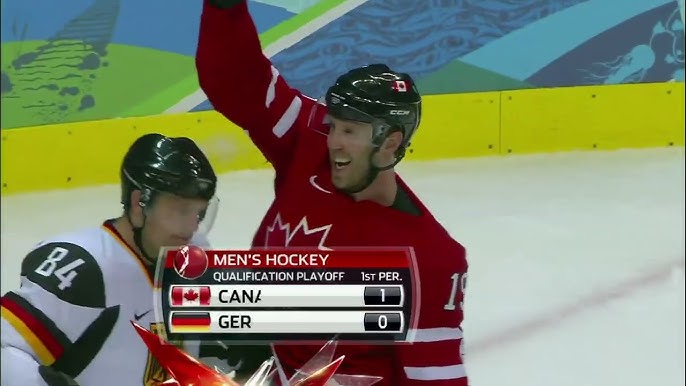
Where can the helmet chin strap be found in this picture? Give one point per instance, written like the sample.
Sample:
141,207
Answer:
138,231
138,238
372,173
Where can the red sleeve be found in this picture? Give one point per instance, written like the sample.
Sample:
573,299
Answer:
434,359
242,84
436,356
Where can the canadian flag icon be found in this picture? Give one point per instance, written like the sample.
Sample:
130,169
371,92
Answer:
190,296
400,86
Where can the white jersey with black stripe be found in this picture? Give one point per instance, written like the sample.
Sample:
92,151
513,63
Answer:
67,283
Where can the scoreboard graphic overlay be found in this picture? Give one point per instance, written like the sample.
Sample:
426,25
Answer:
288,295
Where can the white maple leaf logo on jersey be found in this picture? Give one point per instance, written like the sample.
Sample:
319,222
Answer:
280,234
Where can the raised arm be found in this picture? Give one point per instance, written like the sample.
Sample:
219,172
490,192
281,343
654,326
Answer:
242,84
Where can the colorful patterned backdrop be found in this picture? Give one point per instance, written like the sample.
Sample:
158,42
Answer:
75,60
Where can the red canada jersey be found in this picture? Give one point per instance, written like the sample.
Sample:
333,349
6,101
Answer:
288,128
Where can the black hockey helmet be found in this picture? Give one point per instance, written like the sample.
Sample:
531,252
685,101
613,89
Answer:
156,163
386,99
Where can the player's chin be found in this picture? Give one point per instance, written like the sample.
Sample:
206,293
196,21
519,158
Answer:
339,182
347,185
178,241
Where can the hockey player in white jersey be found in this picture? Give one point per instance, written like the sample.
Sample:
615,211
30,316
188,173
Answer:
69,323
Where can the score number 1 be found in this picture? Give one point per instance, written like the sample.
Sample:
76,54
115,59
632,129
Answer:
459,282
383,296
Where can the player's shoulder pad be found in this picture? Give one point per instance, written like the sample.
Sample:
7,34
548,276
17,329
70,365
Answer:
68,271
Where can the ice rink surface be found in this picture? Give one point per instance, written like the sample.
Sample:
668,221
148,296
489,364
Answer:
576,259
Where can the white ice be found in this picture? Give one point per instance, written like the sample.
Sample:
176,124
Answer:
576,260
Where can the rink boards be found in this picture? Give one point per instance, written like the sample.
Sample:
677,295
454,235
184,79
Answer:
453,125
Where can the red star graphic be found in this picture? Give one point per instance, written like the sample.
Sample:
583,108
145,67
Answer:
188,371
181,367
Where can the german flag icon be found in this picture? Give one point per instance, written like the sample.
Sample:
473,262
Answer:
190,322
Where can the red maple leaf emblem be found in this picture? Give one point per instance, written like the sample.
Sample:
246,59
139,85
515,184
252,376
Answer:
191,295
280,234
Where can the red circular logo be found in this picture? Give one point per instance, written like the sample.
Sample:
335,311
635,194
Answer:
190,262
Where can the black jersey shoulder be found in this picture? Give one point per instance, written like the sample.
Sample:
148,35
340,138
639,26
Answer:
68,271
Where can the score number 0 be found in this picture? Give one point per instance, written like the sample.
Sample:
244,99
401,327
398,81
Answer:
382,321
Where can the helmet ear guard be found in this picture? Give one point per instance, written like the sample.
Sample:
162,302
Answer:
128,186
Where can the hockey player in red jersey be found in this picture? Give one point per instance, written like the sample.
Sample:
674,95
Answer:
335,186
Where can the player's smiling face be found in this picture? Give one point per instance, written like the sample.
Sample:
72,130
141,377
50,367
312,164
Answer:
351,152
350,149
